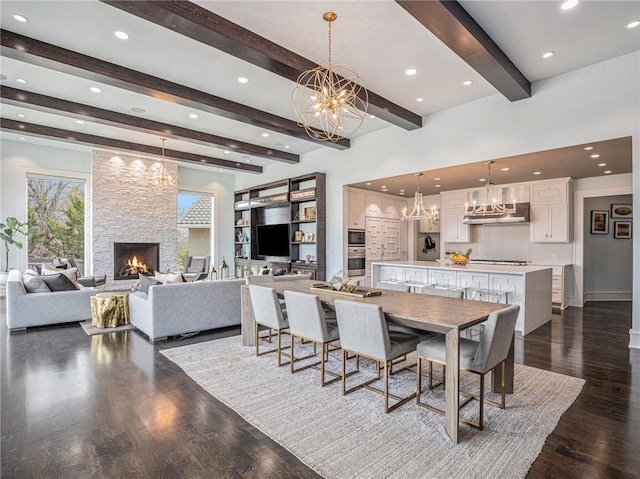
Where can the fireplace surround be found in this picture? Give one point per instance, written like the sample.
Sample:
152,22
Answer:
131,259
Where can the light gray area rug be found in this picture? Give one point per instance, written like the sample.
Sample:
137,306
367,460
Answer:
91,330
351,437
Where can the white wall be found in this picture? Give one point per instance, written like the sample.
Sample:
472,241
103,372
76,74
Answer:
598,102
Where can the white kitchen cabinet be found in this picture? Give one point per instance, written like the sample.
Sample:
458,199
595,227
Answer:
373,239
453,229
372,206
416,276
555,191
356,210
442,277
549,223
383,238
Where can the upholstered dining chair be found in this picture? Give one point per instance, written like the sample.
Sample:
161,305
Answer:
196,268
268,313
478,357
308,322
364,332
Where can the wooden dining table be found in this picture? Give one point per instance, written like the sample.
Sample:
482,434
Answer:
439,314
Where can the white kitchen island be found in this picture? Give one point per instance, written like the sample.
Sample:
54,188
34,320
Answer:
527,286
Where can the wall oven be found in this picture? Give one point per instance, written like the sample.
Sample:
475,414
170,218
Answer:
356,261
355,237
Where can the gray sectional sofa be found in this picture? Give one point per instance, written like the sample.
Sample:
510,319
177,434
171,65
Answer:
171,309
26,310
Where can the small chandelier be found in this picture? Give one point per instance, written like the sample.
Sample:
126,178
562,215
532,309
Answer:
329,102
161,178
419,212
490,205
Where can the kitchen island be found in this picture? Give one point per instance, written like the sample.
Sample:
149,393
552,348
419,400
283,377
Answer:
528,286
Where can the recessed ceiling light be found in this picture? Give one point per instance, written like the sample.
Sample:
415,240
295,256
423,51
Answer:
504,169
193,115
266,135
633,24
537,172
95,89
368,183
602,164
569,4
21,80
138,110
20,18
482,179
437,186
606,172
20,115
121,35
548,54
243,80
596,155
21,138
226,152
419,99
372,116
411,71
248,161
80,122
383,186
437,179
467,82
588,148
401,193
287,146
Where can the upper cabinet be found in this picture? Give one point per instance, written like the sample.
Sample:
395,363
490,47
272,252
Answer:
453,230
550,211
356,210
378,206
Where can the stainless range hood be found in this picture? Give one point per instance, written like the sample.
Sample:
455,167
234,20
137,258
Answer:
520,216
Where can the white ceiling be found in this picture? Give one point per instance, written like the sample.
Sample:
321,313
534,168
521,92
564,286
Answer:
378,38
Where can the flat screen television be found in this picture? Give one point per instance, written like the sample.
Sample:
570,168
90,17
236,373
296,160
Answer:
273,240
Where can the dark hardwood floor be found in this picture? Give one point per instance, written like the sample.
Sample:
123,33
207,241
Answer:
110,406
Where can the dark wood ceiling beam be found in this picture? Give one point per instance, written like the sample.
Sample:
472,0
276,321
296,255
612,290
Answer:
43,131
36,101
30,50
451,23
204,26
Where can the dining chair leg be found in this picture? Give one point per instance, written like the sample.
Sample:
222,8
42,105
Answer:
257,339
418,379
503,385
322,360
386,386
344,371
293,356
430,374
481,421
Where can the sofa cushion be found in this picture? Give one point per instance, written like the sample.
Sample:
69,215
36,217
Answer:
71,273
34,284
168,278
146,281
59,282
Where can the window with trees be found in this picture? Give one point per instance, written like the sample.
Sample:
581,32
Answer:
56,212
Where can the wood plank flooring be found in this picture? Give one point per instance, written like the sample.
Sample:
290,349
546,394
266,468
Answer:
110,406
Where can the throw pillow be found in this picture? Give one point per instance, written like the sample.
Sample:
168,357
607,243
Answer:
59,282
173,277
146,282
71,273
30,272
34,284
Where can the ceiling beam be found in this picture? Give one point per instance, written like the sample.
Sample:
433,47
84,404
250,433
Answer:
202,25
454,27
30,50
43,131
49,104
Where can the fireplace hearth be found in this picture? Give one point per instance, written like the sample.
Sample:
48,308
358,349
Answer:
132,259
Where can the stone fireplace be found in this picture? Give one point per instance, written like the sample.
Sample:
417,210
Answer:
132,259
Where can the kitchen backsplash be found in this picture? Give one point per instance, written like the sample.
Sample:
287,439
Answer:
511,242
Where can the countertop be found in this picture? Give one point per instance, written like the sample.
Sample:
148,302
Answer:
486,268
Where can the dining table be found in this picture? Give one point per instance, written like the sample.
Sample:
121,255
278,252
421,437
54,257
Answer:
448,316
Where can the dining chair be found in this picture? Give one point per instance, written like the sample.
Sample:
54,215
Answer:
307,321
479,357
364,332
268,313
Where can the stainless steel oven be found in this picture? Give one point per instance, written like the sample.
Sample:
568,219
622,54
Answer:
355,237
356,261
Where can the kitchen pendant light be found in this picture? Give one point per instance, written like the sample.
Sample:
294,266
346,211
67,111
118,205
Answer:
490,205
419,212
330,102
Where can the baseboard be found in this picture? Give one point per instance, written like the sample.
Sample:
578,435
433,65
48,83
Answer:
608,296
634,339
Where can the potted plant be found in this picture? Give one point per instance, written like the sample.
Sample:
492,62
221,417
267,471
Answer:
9,231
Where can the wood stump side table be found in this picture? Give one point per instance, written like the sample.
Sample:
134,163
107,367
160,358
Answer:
109,310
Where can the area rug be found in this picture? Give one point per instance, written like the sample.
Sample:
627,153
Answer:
351,437
91,330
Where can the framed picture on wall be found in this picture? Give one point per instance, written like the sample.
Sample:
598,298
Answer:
621,211
599,222
622,229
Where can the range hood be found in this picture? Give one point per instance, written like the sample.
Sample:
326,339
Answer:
520,216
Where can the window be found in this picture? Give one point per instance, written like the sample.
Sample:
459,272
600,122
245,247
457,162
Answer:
56,216
195,220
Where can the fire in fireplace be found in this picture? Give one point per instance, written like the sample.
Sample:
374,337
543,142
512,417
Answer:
132,259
